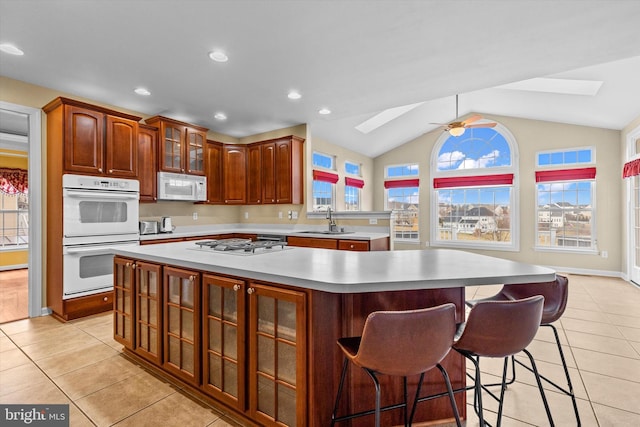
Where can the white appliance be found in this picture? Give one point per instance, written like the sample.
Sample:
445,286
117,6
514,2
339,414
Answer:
99,213
176,186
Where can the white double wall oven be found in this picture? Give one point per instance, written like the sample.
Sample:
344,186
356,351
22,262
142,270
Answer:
99,213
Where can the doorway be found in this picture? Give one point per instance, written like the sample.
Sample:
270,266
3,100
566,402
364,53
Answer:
21,221
633,189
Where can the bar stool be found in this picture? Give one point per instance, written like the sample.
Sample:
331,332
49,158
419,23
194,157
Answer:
500,329
555,295
400,343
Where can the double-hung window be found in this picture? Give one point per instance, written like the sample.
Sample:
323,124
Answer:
324,180
402,197
353,184
474,200
565,194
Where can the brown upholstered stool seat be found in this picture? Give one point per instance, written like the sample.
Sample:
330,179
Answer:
500,329
556,294
400,343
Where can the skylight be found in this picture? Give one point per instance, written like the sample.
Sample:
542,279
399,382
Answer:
385,117
562,86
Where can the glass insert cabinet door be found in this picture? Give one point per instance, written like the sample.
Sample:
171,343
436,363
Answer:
277,339
224,326
195,149
148,311
123,284
181,324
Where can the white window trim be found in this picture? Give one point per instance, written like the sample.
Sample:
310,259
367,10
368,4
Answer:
333,162
514,200
392,178
594,229
358,175
567,165
386,207
333,197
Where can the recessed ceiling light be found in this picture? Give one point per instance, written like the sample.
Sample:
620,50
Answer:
324,111
142,91
220,116
218,56
552,85
11,49
294,95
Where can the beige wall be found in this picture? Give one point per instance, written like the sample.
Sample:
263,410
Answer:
532,136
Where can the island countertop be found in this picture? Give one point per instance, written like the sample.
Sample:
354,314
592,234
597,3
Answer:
348,272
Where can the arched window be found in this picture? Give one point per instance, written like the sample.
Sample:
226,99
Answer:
474,183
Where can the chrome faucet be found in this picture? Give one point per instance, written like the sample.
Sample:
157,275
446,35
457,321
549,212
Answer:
332,224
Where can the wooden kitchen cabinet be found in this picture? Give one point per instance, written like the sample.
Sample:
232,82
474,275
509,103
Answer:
181,147
181,323
148,311
223,339
277,355
234,159
254,174
289,171
93,140
312,242
123,301
380,244
213,167
147,162
275,171
353,245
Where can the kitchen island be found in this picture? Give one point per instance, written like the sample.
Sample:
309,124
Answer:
257,332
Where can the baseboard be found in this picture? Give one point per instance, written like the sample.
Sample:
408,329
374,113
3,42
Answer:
46,311
13,267
587,272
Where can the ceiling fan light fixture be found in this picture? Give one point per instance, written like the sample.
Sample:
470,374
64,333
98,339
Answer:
456,131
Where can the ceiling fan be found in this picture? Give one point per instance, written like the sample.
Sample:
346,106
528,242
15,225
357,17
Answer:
457,128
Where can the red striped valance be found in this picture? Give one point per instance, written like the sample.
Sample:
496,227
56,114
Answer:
473,181
14,181
631,168
325,176
399,183
353,182
565,174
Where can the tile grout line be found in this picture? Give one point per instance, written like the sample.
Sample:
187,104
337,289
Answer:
51,380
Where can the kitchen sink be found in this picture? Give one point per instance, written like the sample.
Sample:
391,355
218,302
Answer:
326,232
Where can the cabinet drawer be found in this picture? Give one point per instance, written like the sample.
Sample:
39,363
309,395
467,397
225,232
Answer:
353,245
85,306
311,242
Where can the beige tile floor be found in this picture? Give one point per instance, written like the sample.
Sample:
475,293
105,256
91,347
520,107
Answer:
79,363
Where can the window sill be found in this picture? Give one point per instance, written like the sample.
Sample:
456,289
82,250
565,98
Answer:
570,250
476,246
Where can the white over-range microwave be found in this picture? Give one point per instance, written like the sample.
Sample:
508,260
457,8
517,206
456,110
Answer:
176,186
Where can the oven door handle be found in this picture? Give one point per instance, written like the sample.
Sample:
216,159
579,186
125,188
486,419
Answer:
80,194
96,250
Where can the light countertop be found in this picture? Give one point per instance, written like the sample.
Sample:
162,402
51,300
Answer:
345,271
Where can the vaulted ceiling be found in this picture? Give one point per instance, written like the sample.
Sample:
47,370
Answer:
356,58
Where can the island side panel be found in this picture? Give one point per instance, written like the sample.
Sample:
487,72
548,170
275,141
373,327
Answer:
360,390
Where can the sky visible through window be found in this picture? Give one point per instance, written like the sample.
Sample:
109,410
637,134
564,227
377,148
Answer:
476,149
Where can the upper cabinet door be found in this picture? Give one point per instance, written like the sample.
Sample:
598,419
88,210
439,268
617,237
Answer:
83,141
213,168
147,161
195,151
254,178
121,147
171,148
235,174
268,173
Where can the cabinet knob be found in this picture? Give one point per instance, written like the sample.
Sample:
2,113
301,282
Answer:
105,299
110,170
99,169
236,288
133,266
351,246
192,279
250,291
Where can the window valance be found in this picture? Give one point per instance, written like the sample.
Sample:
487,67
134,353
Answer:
325,176
631,168
565,174
353,182
473,181
14,181
400,183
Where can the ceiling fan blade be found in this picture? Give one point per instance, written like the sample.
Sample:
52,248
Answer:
472,119
482,125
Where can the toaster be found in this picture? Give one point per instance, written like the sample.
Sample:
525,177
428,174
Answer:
148,227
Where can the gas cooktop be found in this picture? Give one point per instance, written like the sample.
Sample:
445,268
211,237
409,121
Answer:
241,246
